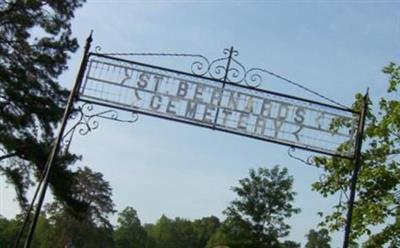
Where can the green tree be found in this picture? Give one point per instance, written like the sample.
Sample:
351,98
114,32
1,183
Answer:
204,228
35,44
379,178
150,241
163,233
233,232
177,233
290,244
129,232
389,235
44,234
86,229
353,244
8,231
318,239
257,217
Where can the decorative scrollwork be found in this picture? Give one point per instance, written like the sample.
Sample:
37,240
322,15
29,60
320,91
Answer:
226,68
201,66
98,49
253,78
219,69
310,160
87,121
235,73
323,178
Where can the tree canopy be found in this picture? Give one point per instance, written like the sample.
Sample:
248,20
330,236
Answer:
377,199
318,239
91,228
129,232
35,45
257,218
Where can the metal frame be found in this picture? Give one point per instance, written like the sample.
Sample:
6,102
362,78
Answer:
224,81
228,82
357,167
227,75
208,127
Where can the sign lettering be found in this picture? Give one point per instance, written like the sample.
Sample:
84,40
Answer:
222,106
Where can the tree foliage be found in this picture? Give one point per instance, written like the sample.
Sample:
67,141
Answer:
379,178
129,232
257,218
35,44
290,244
204,228
168,233
59,229
8,231
318,239
92,227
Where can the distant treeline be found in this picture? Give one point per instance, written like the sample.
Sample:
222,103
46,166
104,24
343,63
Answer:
255,219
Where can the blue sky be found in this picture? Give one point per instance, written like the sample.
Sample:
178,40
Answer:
160,167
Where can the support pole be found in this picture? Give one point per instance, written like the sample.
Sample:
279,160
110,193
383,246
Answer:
29,210
56,146
228,65
357,167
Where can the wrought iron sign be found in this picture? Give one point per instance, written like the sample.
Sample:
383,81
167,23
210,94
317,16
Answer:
216,103
221,95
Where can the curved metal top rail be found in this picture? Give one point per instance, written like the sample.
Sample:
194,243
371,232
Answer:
232,72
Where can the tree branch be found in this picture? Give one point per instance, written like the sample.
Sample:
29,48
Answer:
10,155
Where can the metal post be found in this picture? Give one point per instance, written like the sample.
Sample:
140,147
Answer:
228,65
56,145
29,210
357,167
